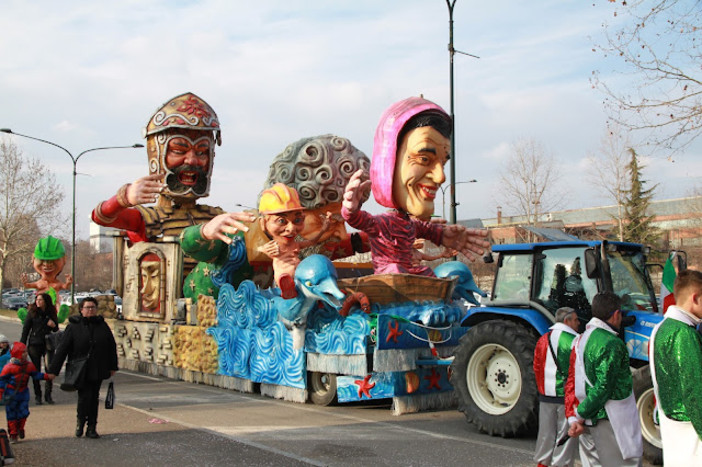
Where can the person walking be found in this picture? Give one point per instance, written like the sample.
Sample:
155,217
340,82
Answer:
14,391
4,351
599,393
676,360
551,363
87,335
41,321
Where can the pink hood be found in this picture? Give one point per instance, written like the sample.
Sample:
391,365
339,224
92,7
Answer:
382,169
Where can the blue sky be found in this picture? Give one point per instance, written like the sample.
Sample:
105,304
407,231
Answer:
88,74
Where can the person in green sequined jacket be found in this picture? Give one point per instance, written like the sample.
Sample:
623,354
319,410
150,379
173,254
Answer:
599,392
676,368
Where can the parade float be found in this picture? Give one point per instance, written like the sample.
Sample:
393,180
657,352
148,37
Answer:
204,301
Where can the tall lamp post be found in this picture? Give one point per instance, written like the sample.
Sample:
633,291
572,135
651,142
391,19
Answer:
74,159
452,162
453,197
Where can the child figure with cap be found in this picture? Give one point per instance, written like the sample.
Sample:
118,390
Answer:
282,219
14,390
48,260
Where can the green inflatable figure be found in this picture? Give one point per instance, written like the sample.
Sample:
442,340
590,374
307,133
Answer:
48,260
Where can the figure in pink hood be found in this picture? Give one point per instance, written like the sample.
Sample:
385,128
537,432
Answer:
410,150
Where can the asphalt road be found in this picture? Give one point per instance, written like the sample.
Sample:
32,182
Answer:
158,421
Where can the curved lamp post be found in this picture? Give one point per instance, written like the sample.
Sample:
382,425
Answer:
453,198
452,162
74,159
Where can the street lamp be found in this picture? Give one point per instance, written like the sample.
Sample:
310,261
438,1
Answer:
453,198
75,162
452,162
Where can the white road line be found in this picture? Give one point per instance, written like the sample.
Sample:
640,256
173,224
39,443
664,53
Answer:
313,409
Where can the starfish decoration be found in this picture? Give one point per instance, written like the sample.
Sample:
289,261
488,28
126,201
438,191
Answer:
364,387
192,284
393,332
206,271
433,379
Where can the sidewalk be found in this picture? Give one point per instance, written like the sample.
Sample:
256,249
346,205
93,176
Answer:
130,436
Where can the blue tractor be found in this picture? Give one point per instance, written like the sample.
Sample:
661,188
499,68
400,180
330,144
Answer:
492,372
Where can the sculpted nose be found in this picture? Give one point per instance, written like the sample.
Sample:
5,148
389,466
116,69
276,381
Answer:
438,175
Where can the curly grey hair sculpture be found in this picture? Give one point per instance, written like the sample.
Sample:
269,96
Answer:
318,168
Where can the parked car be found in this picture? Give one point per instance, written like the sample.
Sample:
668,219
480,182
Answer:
14,303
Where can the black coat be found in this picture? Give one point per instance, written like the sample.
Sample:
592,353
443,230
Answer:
83,335
35,328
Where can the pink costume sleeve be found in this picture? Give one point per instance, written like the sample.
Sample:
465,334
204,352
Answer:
362,221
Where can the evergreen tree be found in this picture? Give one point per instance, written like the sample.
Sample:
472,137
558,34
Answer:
637,226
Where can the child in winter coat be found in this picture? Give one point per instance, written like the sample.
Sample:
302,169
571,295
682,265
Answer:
14,391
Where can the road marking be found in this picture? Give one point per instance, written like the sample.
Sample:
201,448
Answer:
312,409
238,439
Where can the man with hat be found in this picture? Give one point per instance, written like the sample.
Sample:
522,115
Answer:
410,150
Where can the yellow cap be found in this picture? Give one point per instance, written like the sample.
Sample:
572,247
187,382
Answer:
279,198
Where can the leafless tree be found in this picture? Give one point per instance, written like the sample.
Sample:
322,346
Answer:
95,269
608,170
29,203
529,181
658,48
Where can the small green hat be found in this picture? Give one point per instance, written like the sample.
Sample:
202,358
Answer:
49,249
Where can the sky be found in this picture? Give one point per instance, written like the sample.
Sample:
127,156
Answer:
90,74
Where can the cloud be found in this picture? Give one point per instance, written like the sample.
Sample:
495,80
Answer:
88,75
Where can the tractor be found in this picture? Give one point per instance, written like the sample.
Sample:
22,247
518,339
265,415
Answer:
492,372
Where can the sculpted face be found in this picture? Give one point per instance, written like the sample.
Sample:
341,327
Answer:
49,269
150,291
419,170
314,220
188,155
285,226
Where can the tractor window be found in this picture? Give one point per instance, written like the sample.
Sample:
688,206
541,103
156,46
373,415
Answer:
563,281
630,280
513,278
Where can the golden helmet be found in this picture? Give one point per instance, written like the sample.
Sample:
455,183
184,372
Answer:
279,198
184,112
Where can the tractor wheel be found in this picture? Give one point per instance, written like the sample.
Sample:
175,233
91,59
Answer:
494,380
645,404
322,388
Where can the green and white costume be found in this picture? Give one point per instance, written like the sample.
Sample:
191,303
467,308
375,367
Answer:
603,385
676,368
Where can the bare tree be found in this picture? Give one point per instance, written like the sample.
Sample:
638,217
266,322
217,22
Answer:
95,271
608,170
29,203
528,183
658,48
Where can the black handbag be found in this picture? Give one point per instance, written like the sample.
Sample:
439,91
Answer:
110,397
75,373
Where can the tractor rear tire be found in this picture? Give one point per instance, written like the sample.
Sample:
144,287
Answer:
645,404
493,377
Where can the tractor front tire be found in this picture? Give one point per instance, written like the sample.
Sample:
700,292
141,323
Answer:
493,377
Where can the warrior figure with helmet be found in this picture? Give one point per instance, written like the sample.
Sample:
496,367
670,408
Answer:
180,142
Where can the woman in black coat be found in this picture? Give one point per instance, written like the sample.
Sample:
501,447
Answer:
88,334
40,321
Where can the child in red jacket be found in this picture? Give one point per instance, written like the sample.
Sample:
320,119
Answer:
13,389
